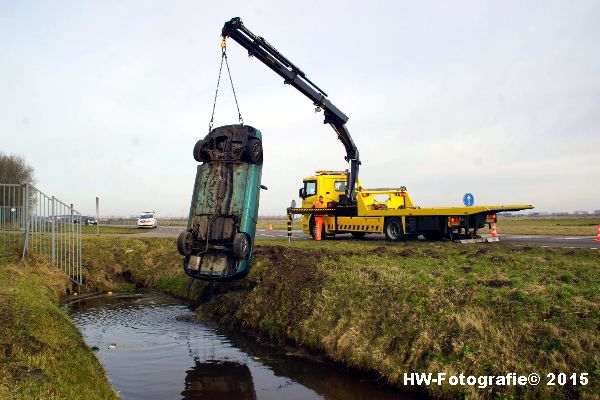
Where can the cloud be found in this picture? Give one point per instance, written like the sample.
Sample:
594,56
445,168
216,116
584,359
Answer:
498,98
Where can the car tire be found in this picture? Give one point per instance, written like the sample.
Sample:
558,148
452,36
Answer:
393,229
184,243
254,152
199,154
241,246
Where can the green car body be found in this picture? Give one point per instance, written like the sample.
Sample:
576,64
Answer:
219,241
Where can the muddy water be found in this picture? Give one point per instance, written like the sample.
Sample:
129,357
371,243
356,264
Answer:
152,348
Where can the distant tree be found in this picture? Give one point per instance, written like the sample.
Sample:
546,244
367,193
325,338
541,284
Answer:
14,169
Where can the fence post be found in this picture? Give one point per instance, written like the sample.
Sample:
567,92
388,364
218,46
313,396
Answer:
53,235
79,258
97,216
25,219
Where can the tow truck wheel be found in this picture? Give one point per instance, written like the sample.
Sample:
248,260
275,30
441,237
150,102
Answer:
393,229
199,154
241,246
254,151
184,243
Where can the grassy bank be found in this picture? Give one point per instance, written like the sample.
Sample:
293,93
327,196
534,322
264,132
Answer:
42,354
124,263
395,308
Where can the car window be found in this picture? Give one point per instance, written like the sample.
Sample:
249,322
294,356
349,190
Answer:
146,216
310,188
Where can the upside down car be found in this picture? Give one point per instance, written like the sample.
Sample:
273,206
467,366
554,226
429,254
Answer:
219,240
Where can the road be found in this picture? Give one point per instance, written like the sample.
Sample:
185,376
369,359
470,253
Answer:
529,240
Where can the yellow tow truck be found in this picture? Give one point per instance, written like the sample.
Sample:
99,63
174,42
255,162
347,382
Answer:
350,207
388,211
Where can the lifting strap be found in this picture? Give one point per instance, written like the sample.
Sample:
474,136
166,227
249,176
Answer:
224,57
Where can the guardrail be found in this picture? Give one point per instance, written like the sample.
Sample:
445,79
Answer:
31,221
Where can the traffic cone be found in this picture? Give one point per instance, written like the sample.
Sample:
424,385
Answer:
494,233
270,227
598,234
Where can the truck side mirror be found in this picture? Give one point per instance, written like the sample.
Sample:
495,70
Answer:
301,193
263,187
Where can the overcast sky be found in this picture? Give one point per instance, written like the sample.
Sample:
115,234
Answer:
498,98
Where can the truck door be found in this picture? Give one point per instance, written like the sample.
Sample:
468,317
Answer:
310,194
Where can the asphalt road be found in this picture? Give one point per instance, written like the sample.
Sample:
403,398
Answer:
529,240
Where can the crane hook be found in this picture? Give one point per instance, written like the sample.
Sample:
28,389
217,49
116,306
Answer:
223,43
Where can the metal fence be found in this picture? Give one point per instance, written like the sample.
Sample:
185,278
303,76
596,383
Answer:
31,221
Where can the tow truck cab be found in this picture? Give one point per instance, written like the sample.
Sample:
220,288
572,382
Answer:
329,184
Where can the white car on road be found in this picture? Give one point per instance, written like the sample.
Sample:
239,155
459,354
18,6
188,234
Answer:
147,220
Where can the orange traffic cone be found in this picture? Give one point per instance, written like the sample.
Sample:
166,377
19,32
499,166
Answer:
598,234
270,227
494,233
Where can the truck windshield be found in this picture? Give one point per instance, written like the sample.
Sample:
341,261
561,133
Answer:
144,216
310,188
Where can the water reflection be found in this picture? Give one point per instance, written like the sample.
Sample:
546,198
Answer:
219,380
152,348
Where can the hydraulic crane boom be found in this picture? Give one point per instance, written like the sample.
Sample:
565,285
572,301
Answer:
292,75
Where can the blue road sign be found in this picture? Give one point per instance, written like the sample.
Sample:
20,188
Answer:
468,199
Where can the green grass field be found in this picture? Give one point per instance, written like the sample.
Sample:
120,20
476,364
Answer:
569,226
91,230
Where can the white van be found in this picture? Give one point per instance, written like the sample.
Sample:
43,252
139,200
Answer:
147,219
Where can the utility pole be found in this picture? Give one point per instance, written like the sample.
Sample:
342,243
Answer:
97,216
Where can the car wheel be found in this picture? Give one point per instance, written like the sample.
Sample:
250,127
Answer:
184,243
199,154
393,229
241,246
254,151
